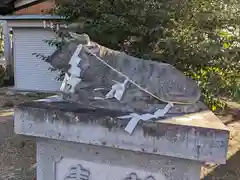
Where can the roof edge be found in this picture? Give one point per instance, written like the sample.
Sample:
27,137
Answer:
12,9
31,17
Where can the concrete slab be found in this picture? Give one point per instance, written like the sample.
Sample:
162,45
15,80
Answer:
200,137
79,143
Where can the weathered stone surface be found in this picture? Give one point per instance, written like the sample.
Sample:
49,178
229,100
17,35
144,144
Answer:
75,141
161,80
200,136
59,159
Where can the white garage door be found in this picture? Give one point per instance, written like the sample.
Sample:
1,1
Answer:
32,73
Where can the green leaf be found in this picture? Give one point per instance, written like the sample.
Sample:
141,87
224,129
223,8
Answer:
226,45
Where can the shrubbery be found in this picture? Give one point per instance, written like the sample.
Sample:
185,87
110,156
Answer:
2,74
1,40
2,67
199,37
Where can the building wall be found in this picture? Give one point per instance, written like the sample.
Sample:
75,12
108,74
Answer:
32,73
38,8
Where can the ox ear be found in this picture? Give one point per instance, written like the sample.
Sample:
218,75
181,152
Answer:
61,57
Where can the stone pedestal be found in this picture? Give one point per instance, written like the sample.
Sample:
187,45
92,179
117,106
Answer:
75,143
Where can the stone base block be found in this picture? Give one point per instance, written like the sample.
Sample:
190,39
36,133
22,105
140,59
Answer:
77,143
59,160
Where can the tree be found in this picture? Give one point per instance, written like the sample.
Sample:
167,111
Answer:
1,40
199,37
2,67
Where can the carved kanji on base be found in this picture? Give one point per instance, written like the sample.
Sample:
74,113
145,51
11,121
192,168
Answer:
133,176
77,173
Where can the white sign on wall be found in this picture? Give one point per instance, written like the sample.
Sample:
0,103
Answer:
72,169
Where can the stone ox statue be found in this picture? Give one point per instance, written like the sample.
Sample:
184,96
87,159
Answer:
99,77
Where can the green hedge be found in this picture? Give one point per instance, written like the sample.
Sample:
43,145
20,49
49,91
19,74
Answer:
199,37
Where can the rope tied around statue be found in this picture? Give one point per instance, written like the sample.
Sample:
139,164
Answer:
73,77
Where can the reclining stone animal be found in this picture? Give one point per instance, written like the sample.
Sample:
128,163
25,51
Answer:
99,77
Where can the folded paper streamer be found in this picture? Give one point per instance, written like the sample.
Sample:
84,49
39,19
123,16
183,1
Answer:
117,90
103,78
135,118
69,83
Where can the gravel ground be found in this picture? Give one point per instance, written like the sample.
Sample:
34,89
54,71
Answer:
17,154
230,170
